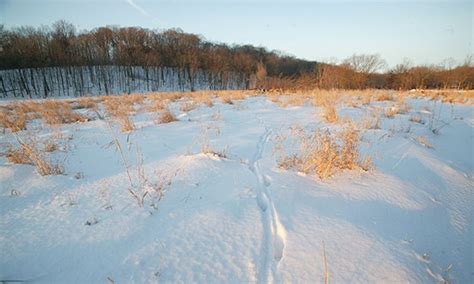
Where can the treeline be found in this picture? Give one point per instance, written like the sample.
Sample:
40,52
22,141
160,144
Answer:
360,72
34,60
76,81
62,46
363,72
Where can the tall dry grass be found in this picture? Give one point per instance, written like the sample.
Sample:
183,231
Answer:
29,152
166,117
56,112
325,153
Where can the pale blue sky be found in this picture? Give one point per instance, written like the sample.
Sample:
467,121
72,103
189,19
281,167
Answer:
427,32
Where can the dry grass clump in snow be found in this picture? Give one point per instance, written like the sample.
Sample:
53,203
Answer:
293,100
325,153
330,113
13,120
157,102
172,97
205,142
416,118
28,152
140,185
424,141
156,106
227,99
391,111
204,98
166,117
402,105
372,121
121,109
188,106
55,112
384,96
446,96
85,102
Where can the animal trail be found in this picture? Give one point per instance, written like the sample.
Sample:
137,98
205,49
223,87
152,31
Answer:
274,236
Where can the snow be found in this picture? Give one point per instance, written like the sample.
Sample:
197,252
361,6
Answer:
240,218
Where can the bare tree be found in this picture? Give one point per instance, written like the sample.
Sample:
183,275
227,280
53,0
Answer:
365,63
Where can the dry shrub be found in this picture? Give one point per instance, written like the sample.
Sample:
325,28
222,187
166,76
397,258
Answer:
166,117
59,112
29,153
325,153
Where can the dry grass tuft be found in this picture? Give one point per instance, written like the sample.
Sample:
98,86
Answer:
85,102
402,105
203,98
325,153
50,146
166,117
157,105
189,106
121,109
424,141
29,153
56,112
365,99
205,142
416,118
13,120
330,113
372,121
126,123
227,99
384,96
391,111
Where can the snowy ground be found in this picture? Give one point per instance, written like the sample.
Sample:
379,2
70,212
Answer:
241,218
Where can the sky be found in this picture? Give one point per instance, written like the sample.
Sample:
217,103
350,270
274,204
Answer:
425,32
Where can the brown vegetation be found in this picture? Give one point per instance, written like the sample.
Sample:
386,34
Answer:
166,117
28,152
325,153
55,112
